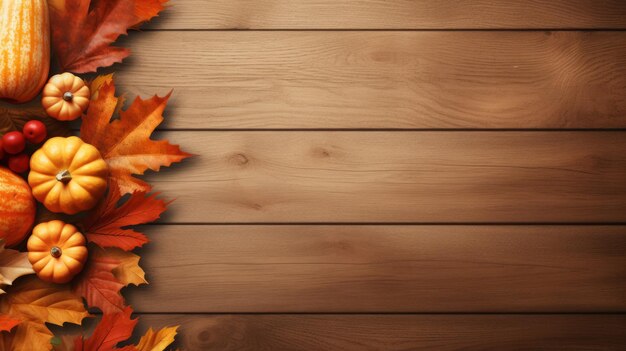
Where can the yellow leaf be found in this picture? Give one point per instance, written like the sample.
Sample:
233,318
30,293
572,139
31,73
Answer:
13,264
98,82
128,271
27,336
35,303
157,341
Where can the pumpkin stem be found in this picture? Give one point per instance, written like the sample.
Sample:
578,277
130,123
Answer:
68,96
64,176
56,252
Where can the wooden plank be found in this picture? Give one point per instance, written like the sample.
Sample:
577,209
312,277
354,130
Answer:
409,177
330,268
393,332
392,14
229,80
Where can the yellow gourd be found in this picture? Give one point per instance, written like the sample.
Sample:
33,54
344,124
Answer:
24,48
57,251
68,175
65,97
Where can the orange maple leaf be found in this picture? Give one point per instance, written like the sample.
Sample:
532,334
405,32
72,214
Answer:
36,303
125,142
83,30
105,226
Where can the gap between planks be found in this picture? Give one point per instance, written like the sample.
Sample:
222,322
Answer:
547,29
401,332
391,14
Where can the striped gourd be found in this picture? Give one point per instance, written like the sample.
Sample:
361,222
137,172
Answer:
24,48
17,208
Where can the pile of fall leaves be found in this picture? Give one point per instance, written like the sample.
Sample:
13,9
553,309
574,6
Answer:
82,34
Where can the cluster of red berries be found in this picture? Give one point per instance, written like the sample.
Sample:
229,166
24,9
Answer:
13,145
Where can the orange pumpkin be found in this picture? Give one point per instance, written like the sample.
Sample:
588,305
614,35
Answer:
24,49
68,175
65,97
17,208
57,251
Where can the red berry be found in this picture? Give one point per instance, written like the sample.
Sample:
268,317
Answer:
35,131
1,150
19,163
13,142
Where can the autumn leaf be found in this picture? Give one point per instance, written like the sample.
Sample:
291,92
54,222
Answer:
128,271
83,30
118,327
106,273
35,303
104,227
96,84
13,264
27,336
125,142
7,322
154,341
157,341
13,118
112,329
98,285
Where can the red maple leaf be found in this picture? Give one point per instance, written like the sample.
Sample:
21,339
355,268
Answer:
83,30
98,285
117,327
112,329
105,226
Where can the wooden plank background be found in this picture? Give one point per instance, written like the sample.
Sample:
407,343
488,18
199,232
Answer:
398,177
389,175
388,268
398,79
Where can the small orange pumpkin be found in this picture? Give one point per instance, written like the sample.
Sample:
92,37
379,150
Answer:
24,49
65,97
57,251
68,175
17,208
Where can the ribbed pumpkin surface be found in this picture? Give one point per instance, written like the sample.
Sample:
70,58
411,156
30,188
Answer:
24,48
17,207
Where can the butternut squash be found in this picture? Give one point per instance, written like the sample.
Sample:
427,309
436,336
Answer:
24,49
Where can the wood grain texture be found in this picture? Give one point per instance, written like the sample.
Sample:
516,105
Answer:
394,332
330,268
230,80
425,177
392,14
